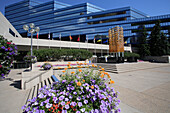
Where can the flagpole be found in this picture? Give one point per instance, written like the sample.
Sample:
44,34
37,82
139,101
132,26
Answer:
107,49
49,39
94,46
79,41
87,44
70,41
101,46
37,40
60,40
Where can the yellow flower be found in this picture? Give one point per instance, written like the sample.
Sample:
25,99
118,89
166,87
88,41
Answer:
69,62
108,76
112,82
65,68
85,63
78,66
72,72
59,67
63,75
77,62
80,70
102,69
79,83
102,76
92,65
92,87
63,71
100,66
69,67
83,80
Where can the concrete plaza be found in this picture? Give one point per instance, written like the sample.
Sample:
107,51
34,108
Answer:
143,87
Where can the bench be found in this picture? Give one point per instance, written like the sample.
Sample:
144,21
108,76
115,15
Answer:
54,78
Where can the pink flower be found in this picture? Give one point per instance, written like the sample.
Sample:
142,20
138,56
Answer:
0,66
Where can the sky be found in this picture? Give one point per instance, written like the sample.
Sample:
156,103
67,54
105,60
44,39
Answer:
150,7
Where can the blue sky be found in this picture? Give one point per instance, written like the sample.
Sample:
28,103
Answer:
150,7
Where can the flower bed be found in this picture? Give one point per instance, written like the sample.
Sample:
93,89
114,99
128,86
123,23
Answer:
46,66
81,91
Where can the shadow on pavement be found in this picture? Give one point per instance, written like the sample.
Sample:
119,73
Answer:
16,84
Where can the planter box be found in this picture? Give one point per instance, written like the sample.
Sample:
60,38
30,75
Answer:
132,59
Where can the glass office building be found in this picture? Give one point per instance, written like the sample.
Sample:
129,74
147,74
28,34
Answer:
82,20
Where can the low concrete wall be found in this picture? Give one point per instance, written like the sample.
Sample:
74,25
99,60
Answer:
160,59
32,78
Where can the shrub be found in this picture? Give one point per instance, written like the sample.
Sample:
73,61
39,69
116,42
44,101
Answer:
54,54
128,54
80,91
7,52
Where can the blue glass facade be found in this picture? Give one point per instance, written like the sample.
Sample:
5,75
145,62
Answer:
85,19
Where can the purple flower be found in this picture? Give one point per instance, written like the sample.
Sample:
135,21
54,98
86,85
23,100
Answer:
78,98
85,75
72,88
76,80
42,104
73,103
68,88
93,81
66,99
61,98
41,95
96,111
82,110
78,112
70,96
79,104
64,111
6,49
72,82
64,81
46,101
62,103
48,105
55,99
3,47
42,111
2,74
23,107
67,106
75,93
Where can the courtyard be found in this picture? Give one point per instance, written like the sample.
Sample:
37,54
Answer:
143,87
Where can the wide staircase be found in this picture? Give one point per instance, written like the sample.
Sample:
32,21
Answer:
108,67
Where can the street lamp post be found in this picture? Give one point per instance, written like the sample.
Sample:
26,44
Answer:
31,30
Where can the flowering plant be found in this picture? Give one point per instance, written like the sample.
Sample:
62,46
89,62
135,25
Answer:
7,52
46,66
30,59
81,91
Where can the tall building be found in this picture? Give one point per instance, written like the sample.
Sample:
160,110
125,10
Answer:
84,20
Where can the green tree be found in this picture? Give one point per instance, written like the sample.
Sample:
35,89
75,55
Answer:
143,46
155,39
164,44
